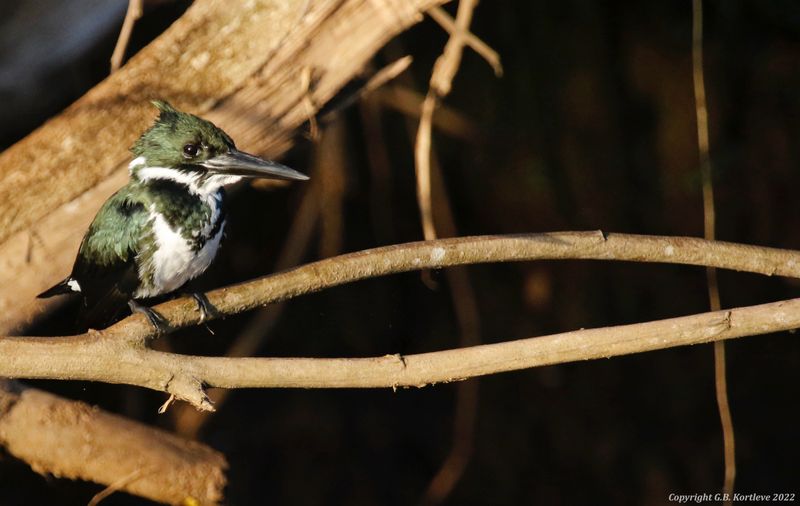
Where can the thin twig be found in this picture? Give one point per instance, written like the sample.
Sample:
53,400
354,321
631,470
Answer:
446,66
164,407
388,73
308,103
422,154
447,120
476,44
444,70
374,83
132,15
118,354
709,226
116,486
467,312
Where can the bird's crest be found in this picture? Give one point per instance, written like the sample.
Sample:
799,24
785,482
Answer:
178,138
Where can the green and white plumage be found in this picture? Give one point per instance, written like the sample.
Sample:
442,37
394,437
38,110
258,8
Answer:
164,227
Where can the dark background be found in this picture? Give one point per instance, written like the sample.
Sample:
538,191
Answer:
591,127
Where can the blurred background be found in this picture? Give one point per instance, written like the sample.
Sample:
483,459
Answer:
591,127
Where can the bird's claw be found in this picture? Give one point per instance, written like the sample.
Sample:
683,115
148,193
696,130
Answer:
156,320
203,306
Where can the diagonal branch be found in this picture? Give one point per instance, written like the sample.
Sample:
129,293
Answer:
119,354
135,9
69,439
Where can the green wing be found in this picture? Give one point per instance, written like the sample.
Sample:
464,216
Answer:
106,264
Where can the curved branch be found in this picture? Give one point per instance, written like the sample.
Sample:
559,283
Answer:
376,262
183,376
119,354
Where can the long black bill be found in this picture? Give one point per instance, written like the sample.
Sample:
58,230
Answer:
238,163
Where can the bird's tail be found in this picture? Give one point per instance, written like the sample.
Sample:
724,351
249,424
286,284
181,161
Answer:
67,285
100,312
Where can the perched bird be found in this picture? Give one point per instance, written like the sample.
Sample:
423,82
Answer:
164,227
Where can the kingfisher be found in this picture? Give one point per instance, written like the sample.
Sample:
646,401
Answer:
163,228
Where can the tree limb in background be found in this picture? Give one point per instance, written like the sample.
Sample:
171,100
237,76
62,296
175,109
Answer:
70,439
444,70
134,12
119,353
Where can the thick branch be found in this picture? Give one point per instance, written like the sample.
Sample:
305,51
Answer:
118,354
69,439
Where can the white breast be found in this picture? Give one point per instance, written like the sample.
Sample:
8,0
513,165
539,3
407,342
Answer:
174,262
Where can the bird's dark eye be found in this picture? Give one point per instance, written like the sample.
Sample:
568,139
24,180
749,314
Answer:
190,150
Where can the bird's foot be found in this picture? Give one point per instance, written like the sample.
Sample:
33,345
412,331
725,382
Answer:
204,306
156,320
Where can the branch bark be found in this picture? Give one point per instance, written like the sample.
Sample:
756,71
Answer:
70,439
184,376
119,354
463,251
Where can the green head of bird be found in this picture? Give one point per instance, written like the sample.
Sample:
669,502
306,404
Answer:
185,148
